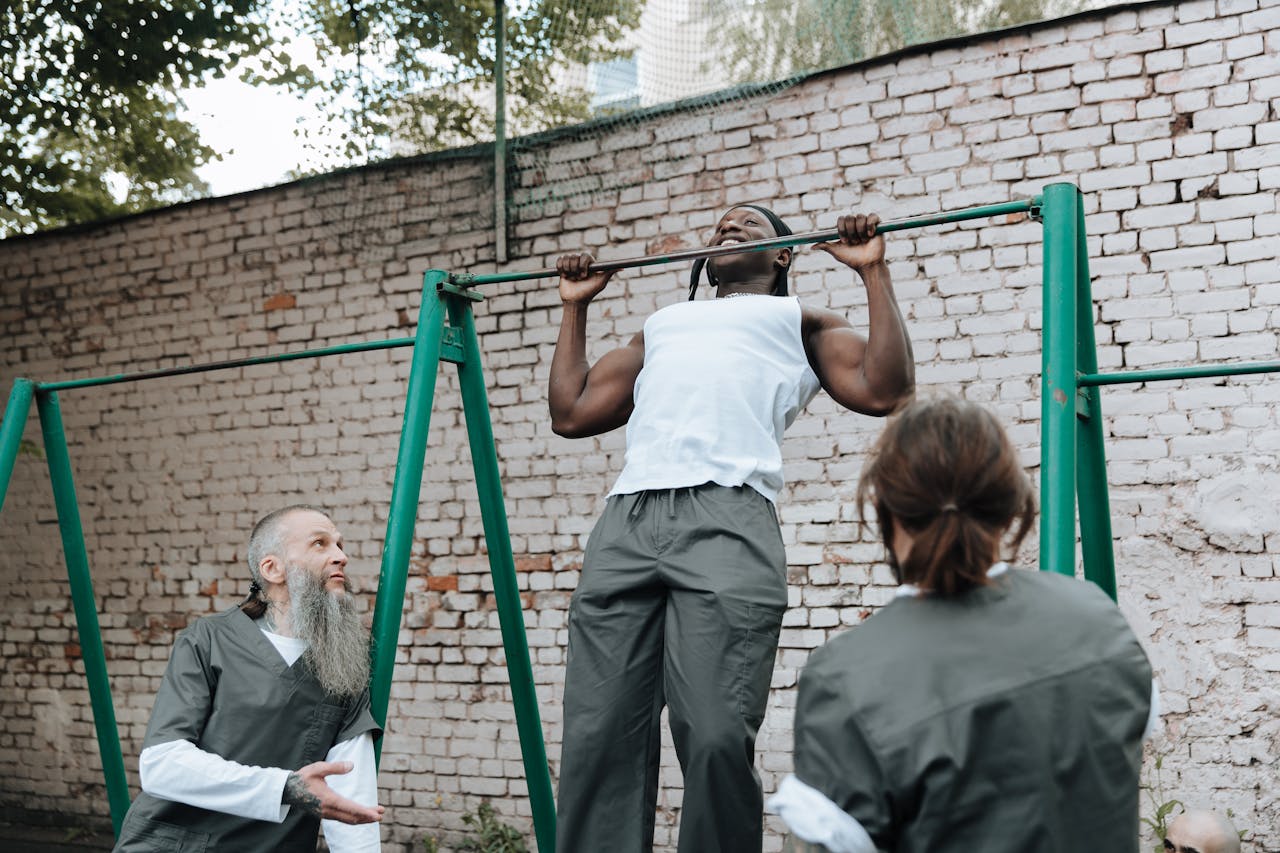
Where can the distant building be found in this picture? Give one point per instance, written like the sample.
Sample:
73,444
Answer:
672,58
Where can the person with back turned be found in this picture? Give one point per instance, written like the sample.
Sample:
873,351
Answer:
261,732
683,583
986,708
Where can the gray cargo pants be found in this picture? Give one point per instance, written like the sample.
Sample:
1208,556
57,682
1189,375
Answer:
680,603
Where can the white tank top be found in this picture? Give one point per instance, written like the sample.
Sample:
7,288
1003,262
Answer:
722,379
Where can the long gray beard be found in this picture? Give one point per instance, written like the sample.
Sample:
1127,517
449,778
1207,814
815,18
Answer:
337,643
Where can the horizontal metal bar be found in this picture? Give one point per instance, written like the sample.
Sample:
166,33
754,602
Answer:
1165,373
826,235
340,349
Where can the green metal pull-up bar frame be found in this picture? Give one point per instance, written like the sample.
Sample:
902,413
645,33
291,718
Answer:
1072,462
1072,456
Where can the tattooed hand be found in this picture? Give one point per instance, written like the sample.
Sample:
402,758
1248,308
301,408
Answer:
307,789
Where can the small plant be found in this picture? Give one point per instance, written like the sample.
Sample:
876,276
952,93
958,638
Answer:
488,835
1162,808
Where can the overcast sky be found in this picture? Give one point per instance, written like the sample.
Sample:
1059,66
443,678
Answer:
253,127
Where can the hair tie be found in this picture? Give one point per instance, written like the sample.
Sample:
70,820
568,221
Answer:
949,507
254,588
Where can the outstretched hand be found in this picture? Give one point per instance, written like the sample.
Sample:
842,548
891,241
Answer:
577,282
308,790
860,246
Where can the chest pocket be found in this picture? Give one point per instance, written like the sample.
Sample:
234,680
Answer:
326,720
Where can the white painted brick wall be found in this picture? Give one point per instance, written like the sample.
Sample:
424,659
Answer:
1167,114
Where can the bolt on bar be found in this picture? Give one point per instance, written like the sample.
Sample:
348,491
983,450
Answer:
1199,372
1024,206
339,349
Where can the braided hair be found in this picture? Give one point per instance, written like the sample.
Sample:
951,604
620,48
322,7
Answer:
780,278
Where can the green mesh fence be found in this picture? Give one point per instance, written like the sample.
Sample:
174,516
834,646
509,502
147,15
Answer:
702,59
636,84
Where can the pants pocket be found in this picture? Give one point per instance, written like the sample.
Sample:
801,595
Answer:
759,651
142,834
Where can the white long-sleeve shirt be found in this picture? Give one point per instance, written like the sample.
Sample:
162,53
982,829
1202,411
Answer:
182,772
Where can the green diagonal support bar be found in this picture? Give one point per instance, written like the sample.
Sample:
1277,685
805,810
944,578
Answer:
1058,382
15,421
1091,473
484,459
403,514
85,604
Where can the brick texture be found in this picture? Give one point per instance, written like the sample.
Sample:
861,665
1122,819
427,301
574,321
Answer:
1166,114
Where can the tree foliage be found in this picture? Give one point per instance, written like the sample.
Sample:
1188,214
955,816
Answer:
423,78
88,96
89,89
777,39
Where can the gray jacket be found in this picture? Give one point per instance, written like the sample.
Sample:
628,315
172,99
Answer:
1007,719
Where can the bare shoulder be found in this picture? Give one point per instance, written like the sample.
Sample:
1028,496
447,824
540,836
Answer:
624,362
814,319
632,352
818,319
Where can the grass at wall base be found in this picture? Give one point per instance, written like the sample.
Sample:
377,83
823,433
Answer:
488,835
1162,808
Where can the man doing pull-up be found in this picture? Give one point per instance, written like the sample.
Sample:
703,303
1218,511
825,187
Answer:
683,583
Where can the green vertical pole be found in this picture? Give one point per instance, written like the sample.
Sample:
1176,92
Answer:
15,420
403,514
82,598
1091,459
484,458
1058,382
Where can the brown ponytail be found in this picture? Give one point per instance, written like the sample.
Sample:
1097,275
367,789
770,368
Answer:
255,605
945,471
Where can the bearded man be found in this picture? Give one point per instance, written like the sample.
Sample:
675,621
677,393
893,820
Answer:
261,732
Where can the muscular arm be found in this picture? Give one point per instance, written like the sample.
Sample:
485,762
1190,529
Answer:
872,375
588,399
